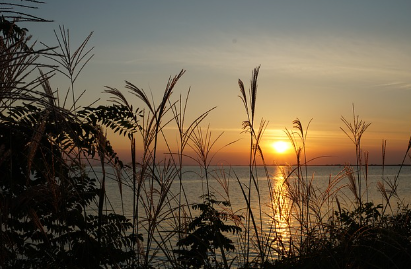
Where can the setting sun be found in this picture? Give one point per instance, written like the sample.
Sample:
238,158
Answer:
280,146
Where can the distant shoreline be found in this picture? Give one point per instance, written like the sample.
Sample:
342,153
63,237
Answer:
272,165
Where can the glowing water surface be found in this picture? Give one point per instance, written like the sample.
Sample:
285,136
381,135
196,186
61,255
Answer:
276,214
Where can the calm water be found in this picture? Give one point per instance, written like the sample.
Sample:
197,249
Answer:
195,185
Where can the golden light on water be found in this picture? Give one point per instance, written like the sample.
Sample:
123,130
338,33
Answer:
281,210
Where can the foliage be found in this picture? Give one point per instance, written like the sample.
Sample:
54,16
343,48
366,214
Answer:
205,236
53,212
119,118
46,195
47,198
11,30
361,238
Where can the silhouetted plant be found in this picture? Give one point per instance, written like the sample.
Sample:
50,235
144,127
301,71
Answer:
54,213
249,126
46,196
355,131
46,201
364,216
206,235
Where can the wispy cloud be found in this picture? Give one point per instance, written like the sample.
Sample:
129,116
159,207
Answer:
330,56
395,85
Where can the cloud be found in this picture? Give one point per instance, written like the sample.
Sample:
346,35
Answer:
328,56
395,85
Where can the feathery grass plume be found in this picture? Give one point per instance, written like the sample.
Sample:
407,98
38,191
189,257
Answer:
117,97
157,113
202,145
150,174
355,131
250,105
302,187
179,111
16,65
140,93
179,117
253,90
303,136
47,88
243,95
255,137
72,63
352,186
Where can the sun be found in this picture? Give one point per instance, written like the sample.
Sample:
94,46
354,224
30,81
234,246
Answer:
280,146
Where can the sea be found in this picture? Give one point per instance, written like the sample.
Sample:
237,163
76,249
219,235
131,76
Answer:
120,190
329,185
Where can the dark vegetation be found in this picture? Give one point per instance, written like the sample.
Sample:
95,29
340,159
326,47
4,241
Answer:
54,208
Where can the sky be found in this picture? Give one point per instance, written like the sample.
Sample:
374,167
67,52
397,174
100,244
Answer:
317,58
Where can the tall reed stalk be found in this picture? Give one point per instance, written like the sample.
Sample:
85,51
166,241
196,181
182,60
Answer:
50,206
249,103
151,129
184,135
354,132
304,187
72,62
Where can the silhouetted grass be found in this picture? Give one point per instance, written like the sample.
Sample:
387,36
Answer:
56,213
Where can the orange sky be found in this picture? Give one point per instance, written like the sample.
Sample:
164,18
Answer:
317,59
321,148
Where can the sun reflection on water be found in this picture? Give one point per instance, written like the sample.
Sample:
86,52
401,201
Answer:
280,206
